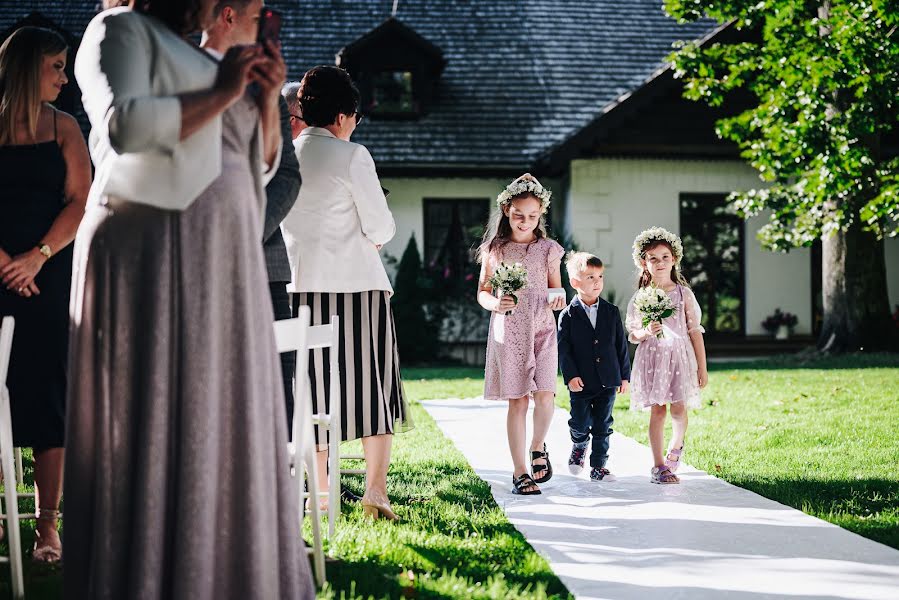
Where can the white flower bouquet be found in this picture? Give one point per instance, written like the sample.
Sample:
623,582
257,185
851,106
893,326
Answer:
654,305
509,279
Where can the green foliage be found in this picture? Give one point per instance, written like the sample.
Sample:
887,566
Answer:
824,84
415,334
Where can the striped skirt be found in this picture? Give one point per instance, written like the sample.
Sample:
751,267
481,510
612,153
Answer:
371,392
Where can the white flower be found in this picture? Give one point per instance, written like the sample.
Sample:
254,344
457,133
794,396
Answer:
653,304
509,278
657,234
523,186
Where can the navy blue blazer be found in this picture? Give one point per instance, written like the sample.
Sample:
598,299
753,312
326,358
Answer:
597,355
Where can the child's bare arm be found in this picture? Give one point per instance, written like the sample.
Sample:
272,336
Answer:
485,292
699,349
554,280
695,330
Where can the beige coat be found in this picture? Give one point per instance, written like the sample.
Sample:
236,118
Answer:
135,112
339,219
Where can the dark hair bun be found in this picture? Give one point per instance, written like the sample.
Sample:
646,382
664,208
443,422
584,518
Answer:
325,92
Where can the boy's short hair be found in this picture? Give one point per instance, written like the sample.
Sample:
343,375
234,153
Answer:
577,262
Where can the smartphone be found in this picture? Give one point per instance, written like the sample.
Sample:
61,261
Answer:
269,26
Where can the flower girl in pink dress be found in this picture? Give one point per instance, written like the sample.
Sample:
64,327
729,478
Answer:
669,366
522,360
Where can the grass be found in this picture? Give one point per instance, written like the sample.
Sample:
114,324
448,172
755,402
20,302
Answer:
41,581
453,540
818,435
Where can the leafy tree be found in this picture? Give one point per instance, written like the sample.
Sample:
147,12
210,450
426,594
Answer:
824,76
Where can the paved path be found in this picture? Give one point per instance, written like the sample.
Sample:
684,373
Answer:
702,539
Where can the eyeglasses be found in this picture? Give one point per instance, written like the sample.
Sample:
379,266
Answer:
358,116
297,117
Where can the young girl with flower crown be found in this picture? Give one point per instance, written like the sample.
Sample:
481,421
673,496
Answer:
522,360
669,366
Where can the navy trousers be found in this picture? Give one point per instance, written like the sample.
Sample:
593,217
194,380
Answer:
591,415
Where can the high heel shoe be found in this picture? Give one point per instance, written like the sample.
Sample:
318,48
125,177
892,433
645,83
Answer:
322,505
375,509
46,552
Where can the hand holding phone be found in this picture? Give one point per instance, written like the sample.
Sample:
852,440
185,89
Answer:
269,28
270,73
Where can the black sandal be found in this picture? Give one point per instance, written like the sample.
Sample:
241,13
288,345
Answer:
521,483
548,467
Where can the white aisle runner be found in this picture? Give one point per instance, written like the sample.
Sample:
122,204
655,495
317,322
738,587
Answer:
701,539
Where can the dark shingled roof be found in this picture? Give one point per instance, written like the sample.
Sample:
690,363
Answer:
521,76
71,15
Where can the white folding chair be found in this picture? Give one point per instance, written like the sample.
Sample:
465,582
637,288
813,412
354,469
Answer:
10,494
290,336
328,336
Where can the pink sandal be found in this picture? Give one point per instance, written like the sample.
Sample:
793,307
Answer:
663,475
673,464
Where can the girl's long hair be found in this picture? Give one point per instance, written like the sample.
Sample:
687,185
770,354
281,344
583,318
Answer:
21,60
499,229
645,277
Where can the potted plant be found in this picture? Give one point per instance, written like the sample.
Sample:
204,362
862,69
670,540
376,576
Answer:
780,324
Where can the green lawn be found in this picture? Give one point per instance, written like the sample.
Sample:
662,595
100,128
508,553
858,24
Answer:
818,436
453,540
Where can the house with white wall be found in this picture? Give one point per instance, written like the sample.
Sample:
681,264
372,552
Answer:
462,96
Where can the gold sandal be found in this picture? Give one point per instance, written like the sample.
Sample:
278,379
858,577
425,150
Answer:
376,509
46,553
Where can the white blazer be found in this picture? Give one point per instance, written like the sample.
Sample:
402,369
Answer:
339,218
131,68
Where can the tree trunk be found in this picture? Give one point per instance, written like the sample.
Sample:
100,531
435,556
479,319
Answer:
853,279
856,305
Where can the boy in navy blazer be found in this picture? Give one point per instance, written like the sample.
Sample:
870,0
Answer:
594,361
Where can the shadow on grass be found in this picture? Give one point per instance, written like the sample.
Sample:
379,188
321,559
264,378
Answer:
868,507
447,372
812,360
469,564
42,582
349,578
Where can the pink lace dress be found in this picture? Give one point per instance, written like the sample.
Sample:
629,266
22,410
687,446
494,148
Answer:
521,347
665,370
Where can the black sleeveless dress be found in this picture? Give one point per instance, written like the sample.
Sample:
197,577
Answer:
32,194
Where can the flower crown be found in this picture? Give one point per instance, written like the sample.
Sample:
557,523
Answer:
657,234
525,186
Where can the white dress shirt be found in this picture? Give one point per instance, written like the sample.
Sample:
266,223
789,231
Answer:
591,310
339,219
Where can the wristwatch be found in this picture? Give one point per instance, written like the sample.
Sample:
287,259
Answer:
45,250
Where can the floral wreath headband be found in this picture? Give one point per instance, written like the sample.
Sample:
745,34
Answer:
525,186
657,234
